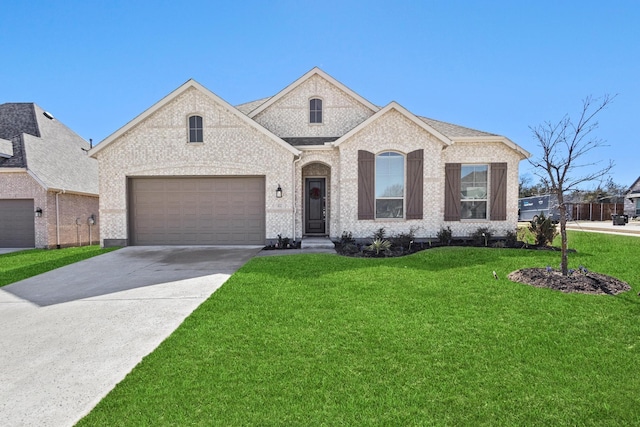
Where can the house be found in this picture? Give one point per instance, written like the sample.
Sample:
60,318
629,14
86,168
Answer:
316,159
632,200
48,183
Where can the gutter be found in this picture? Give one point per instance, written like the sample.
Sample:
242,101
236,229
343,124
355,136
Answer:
293,196
58,219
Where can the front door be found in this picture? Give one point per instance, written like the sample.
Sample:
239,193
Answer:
314,206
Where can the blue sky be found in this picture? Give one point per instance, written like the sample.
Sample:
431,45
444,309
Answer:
496,66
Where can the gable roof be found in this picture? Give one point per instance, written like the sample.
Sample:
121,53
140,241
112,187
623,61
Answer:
399,108
170,97
313,72
634,188
447,133
17,118
54,155
248,107
453,131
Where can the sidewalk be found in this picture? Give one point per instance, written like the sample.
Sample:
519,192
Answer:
630,229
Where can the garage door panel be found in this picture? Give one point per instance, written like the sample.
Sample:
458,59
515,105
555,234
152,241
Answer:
17,227
211,210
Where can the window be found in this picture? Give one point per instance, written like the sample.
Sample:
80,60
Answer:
473,191
195,129
389,185
466,192
315,110
637,207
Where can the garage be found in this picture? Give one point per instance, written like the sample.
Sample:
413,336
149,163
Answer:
17,224
197,211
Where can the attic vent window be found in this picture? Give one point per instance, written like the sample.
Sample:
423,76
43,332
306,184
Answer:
315,110
48,115
195,129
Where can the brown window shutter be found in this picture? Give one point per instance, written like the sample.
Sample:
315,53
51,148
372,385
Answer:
366,179
498,192
415,173
452,191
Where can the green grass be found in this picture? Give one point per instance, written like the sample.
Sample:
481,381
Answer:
16,266
429,339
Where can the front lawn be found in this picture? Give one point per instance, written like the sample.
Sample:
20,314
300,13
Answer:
428,339
16,266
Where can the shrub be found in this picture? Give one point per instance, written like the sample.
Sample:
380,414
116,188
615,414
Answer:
403,240
543,230
445,235
380,234
524,235
481,236
347,238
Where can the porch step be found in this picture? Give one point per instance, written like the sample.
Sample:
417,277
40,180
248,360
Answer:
316,243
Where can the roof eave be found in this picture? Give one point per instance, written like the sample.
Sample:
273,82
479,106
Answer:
524,154
164,101
395,106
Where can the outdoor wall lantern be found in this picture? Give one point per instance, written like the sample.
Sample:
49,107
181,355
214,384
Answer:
38,212
279,191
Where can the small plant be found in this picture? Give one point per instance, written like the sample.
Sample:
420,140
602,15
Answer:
481,236
445,235
283,242
543,229
380,234
347,238
379,245
403,240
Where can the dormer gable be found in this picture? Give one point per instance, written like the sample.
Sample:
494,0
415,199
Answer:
315,105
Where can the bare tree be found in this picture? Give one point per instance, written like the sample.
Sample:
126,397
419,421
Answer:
564,144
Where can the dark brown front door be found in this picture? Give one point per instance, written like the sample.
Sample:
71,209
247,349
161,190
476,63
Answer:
314,206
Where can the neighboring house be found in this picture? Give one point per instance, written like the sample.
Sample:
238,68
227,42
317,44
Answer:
48,183
632,199
316,159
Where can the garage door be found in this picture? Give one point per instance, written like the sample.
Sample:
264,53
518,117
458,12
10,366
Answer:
197,211
17,223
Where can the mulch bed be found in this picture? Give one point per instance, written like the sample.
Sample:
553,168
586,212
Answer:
579,282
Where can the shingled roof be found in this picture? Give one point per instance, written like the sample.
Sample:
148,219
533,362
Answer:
54,154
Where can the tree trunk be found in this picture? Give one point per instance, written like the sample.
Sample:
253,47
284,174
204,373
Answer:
564,263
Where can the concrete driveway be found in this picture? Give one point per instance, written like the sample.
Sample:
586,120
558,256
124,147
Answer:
67,337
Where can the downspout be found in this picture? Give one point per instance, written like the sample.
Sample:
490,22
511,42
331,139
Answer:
58,219
293,196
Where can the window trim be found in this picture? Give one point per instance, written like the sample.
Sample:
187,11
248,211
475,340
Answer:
486,198
195,128
404,187
316,111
